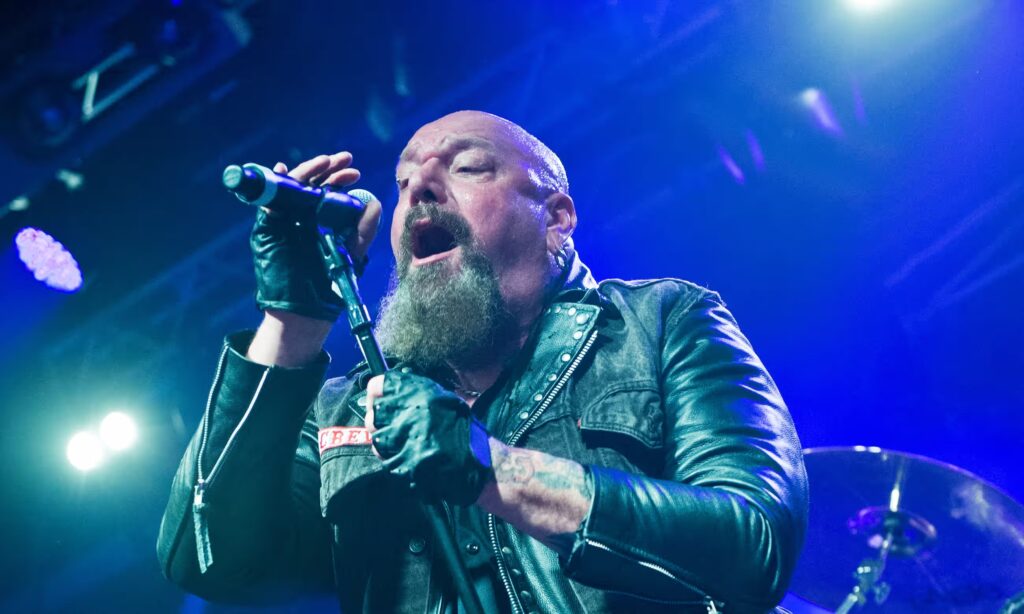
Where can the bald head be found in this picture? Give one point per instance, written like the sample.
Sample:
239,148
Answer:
545,168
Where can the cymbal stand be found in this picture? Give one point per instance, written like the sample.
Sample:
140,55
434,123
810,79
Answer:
869,581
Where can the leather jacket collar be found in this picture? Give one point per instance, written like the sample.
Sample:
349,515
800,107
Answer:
578,286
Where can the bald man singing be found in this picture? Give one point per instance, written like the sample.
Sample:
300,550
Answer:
598,447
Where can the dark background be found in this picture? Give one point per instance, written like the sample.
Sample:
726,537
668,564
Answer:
874,258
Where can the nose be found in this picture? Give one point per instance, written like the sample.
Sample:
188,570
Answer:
426,184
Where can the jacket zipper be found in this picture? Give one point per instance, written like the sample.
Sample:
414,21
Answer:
199,505
502,571
451,523
709,603
492,529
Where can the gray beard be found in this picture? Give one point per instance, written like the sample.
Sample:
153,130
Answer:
435,317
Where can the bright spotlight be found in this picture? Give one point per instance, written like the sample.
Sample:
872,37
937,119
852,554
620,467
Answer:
867,6
821,110
48,260
85,451
118,431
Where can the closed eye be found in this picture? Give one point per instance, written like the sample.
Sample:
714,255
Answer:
474,170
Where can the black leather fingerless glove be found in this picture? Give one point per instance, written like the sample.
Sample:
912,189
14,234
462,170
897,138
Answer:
427,435
290,273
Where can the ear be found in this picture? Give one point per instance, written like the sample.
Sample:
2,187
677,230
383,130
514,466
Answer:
560,218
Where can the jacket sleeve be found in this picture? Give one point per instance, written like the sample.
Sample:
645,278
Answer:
727,521
243,522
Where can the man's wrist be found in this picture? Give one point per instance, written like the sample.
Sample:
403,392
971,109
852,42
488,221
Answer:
285,339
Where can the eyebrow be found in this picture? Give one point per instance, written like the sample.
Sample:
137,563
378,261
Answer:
457,143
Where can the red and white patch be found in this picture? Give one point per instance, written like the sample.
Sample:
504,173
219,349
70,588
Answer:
337,436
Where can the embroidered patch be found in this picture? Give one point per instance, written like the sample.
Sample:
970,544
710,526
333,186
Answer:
336,436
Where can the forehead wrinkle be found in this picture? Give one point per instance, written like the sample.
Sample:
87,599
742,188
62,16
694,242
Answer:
448,143
500,136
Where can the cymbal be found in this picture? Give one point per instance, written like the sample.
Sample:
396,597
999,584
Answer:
954,542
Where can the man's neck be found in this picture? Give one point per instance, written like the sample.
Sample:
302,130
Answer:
470,384
475,379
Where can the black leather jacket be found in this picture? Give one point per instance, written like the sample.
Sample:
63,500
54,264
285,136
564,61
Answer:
700,493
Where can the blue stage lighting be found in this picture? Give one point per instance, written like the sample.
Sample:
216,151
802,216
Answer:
867,6
85,451
821,110
118,431
48,260
730,165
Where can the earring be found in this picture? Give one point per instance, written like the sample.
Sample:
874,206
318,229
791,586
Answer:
561,257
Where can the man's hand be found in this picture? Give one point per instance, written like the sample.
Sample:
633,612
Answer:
292,286
412,418
290,273
427,435
336,171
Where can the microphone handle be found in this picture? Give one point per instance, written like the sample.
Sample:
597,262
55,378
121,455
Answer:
261,187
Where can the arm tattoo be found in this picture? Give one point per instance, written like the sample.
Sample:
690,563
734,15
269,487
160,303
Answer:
545,496
510,467
520,467
563,478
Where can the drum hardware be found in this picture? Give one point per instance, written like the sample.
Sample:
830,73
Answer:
920,535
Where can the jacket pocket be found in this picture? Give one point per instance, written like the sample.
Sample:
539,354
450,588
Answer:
631,409
625,423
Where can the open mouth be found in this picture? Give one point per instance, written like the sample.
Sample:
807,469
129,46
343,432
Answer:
430,239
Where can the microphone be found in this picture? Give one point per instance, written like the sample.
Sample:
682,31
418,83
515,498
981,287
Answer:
261,187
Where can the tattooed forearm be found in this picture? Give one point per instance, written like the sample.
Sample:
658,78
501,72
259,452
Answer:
542,495
557,480
509,467
517,466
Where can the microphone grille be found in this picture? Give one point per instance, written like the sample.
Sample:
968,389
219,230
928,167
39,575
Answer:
362,196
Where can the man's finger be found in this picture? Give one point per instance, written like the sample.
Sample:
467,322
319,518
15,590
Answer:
341,160
368,420
374,389
310,168
336,162
346,176
368,423
359,243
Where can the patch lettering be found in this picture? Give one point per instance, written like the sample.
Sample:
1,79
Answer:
336,436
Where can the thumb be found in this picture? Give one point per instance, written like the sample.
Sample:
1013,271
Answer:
359,243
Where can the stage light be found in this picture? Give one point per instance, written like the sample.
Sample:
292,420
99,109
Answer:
756,153
867,6
72,181
48,260
118,431
821,110
730,165
47,115
85,451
